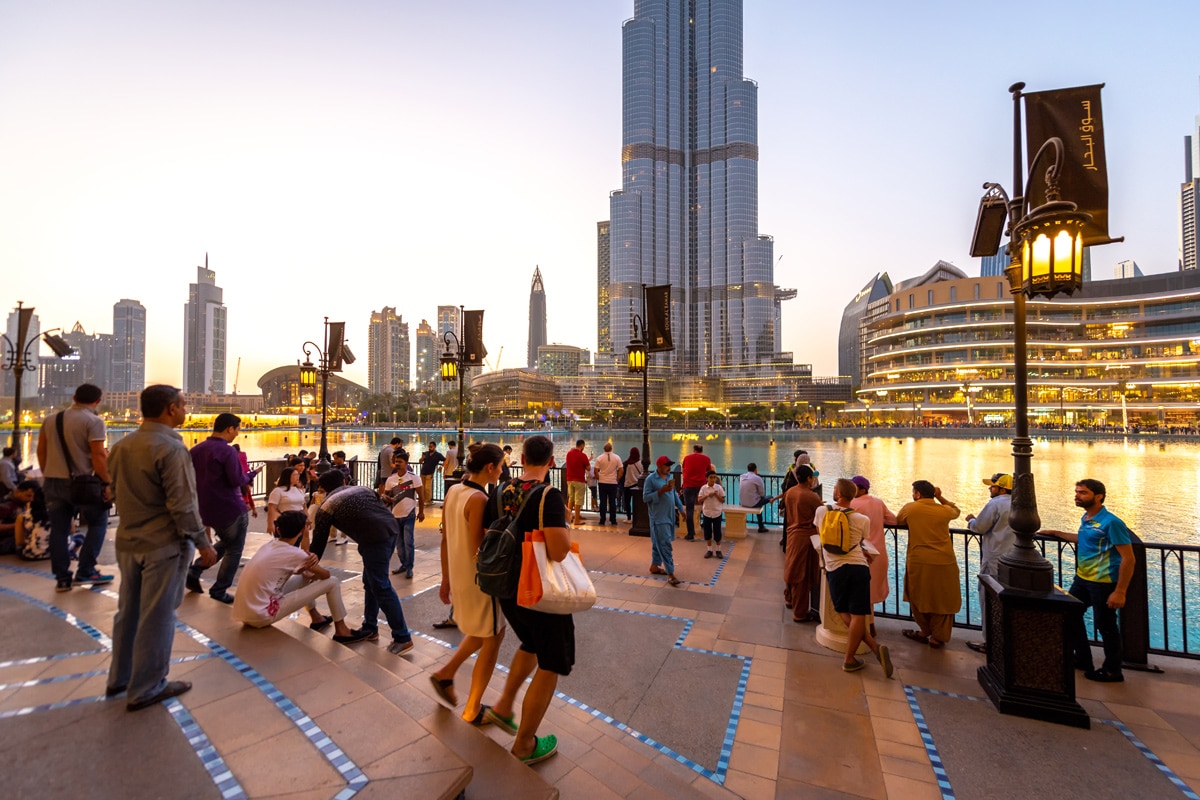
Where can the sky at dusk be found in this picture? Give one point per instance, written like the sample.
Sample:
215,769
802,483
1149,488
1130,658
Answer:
335,158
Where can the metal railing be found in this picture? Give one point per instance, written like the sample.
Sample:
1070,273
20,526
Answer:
1172,572
1171,586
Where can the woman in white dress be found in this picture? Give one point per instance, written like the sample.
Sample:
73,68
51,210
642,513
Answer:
286,496
477,614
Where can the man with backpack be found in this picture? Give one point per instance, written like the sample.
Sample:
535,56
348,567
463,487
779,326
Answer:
547,640
801,566
847,571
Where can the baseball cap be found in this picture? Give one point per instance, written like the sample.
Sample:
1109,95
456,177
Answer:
861,482
1001,479
664,461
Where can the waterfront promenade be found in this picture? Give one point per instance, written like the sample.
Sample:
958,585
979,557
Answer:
705,690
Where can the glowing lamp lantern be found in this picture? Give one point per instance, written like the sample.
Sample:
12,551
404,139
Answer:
1050,241
637,356
449,366
308,374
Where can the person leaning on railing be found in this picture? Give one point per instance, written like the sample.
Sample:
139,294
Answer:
1104,563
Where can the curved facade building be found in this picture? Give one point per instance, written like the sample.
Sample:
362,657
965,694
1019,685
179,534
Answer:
283,393
687,211
1117,351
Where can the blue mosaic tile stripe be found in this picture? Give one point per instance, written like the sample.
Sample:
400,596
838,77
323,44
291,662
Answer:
662,578
715,775
1155,760
22,661
947,694
80,701
90,674
226,784
939,769
70,619
355,779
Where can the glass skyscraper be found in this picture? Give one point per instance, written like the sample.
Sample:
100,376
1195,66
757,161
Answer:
537,318
204,328
687,210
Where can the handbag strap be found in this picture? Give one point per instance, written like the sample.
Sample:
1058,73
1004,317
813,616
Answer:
58,423
541,511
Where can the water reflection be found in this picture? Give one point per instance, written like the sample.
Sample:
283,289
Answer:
1154,487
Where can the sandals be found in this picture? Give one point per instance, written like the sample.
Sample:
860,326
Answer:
322,625
885,660
507,724
544,747
448,622
481,718
1104,676
444,689
673,581
853,666
936,644
916,636
657,570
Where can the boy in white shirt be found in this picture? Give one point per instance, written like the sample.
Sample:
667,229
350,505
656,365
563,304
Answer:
711,497
281,578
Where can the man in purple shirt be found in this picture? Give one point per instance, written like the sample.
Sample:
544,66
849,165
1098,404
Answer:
219,483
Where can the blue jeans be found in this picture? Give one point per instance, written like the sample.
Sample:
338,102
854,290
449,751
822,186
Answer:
662,536
144,627
404,541
61,511
231,540
1095,596
762,502
378,591
608,502
689,505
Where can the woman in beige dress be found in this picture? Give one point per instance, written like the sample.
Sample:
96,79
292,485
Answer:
477,614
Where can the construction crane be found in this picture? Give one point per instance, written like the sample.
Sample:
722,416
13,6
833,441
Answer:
237,375
495,367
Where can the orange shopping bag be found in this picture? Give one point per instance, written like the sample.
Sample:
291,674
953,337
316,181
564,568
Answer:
529,587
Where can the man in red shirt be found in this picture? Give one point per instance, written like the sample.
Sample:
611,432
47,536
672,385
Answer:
575,473
695,468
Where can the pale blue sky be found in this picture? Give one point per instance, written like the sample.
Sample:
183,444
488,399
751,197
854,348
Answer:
334,158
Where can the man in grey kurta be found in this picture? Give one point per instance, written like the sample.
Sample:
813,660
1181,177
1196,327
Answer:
159,523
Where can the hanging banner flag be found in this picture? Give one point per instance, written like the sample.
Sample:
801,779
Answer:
337,332
658,319
1072,115
473,350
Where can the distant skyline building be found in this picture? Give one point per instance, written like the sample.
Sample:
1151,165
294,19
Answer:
1189,200
560,360
29,381
993,266
428,354
205,328
1127,269
388,353
129,346
91,362
603,277
851,347
687,210
537,318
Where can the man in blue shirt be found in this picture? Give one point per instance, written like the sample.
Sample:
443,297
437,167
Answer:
662,503
1104,564
219,483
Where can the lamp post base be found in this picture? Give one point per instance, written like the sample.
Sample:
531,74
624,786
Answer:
641,516
1030,667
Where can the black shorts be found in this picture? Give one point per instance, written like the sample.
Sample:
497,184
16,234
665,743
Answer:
550,637
850,589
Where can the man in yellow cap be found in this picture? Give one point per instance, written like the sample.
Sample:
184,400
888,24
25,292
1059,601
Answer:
995,535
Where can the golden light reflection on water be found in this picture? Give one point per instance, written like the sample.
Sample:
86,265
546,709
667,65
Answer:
1154,487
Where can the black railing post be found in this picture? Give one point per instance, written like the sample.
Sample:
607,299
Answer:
1135,616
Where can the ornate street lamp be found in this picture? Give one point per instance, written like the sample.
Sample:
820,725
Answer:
637,357
17,356
329,359
452,369
1029,671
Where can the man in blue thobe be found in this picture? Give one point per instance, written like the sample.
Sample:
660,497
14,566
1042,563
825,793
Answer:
662,503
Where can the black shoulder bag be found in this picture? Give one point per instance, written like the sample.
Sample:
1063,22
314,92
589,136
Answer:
86,490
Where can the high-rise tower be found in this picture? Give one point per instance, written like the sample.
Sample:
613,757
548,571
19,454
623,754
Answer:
1189,201
129,346
204,332
537,318
428,357
687,211
388,359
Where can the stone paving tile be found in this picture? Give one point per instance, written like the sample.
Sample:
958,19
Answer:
751,787
901,787
579,784
907,769
282,764
796,789
811,753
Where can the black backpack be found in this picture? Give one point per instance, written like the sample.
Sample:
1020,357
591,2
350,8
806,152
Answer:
498,563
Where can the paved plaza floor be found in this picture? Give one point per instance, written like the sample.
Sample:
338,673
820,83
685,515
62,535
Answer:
703,690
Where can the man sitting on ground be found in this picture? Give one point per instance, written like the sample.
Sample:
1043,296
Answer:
282,578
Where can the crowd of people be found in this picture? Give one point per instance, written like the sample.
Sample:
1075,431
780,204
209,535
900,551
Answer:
183,511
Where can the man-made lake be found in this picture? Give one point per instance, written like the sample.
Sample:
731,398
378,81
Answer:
1154,487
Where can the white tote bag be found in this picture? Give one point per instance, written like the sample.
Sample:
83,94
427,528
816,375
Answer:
565,585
